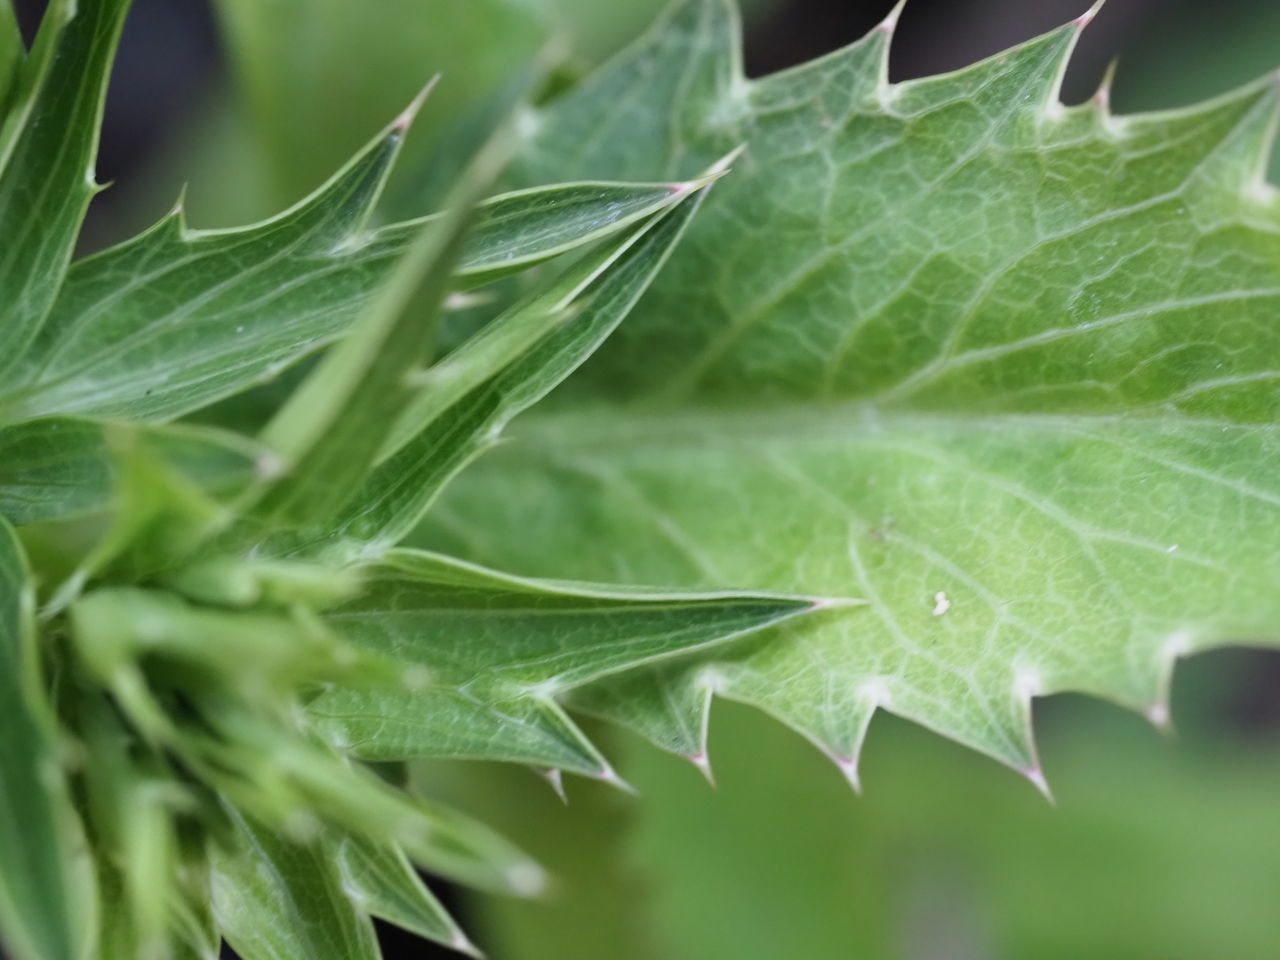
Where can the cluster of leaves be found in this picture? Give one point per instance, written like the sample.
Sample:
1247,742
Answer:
211,625
997,374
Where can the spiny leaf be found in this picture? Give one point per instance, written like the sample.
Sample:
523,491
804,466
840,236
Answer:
175,319
1003,368
382,881
279,900
333,427
575,315
497,651
47,148
36,900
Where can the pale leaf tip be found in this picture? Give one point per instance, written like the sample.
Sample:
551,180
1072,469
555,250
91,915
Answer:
702,762
526,879
720,167
409,113
1089,15
1160,717
1037,778
556,780
848,767
462,944
607,774
1102,96
890,23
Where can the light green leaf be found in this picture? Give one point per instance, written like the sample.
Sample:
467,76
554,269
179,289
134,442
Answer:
36,901
497,651
1004,369
279,900
382,881
61,468
175,319
47,162
572,317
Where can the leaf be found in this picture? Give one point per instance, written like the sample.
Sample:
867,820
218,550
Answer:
36,899
479,388
175,319
61,468
12,53
279,900
1004,369
382,881
46,160
497,651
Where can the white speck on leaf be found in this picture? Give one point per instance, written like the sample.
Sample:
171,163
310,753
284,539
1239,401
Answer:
940,604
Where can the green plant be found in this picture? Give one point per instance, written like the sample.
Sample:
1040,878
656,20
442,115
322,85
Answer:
951,397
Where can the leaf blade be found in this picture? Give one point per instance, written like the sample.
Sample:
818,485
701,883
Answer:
869,407
47,171
35,882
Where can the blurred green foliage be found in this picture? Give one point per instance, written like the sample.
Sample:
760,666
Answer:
1155,848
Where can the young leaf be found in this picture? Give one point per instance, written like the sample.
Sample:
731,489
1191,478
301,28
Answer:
497,651
37,915
47,148
175,319
1041,450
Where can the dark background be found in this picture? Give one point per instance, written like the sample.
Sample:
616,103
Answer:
170,63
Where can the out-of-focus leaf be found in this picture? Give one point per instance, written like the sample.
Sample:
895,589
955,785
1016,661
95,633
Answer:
61,468
37,908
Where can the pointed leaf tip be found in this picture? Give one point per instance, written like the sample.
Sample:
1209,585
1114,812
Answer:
890,23
462,944
848,767
555,778
1159,716
1037,778
410,113
607,774
703,764
1089,15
